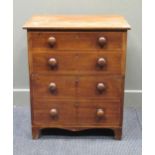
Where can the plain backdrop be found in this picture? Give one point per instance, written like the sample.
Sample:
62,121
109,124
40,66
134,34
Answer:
130,9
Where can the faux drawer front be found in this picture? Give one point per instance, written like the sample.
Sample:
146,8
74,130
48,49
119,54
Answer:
96,113
39,41
50,113
108,63
53,86
100,87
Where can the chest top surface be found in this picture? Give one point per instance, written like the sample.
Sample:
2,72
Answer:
77,22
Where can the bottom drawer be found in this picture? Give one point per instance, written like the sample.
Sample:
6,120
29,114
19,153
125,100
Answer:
77,113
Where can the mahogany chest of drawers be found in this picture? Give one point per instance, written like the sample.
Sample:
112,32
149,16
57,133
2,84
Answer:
77,71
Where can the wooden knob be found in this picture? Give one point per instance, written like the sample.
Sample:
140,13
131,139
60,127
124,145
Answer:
52,62
52,41
54,112
100,113
101,87
102,41
52,87
101,62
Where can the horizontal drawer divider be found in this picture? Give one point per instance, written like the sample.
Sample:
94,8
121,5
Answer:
77,99
77,51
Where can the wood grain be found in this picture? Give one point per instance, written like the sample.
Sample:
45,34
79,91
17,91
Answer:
76,43
65,86
76,22
76,86
75,40
87,113
87,87
66,113
77,62
82,114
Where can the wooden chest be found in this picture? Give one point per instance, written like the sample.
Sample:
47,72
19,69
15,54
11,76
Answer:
77,71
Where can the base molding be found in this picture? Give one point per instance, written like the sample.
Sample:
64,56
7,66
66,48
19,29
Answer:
36,130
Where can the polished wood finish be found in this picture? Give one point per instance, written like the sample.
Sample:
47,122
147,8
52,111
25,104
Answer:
54,112
78,63
77,71
99,113
76,112
68,41
111,88
55,87
77,22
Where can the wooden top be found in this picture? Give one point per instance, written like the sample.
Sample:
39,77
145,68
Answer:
76,22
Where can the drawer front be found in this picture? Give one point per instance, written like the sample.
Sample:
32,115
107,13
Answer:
84,87
96,113
85,113
100,87
53,87
108,63
50,41
53,113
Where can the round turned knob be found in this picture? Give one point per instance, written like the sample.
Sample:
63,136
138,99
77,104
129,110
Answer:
101,62
52,41
102,41
100,113
101,87
54,112
52,62
52,87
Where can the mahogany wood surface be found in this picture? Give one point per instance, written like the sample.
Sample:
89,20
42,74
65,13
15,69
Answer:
66,41
77,62
76,112
81,22
73,86
77,71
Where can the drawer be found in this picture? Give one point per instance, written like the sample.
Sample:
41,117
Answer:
108,63
100,87
83,87
83,113
51,41
98,113
50,113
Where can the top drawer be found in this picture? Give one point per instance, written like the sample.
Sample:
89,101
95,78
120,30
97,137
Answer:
65,41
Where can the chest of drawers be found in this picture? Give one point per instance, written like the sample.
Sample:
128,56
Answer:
77,71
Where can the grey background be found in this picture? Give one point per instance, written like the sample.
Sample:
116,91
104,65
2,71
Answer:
130,9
